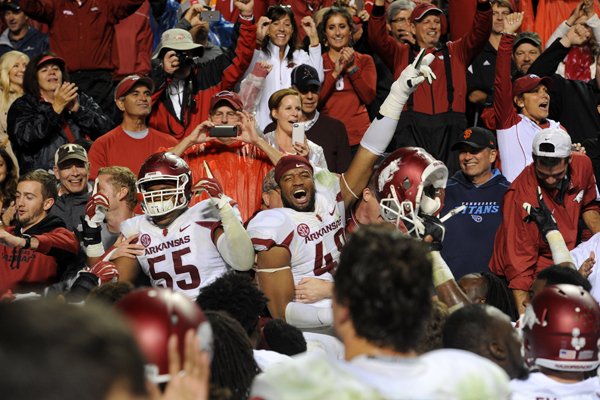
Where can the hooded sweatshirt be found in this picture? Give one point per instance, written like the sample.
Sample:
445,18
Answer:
469,238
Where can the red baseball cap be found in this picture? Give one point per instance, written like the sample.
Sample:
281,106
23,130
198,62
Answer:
422,9
231,98
289,162
129,82
50,58
529,82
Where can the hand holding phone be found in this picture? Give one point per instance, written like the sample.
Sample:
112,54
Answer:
224,131
298,133
210,16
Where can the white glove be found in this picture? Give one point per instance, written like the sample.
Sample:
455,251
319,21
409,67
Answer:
406,84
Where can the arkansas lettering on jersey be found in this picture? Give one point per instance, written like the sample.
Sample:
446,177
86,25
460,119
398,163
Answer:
313,239
182,257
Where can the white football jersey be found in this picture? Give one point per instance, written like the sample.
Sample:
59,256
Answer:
581,253
314,239
539,386
439,375
183,256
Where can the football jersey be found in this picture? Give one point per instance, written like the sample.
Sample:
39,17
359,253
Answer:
313,239
439,375
183,256
539,386
581,253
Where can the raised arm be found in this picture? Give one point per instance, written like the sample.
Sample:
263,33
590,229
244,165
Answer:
472,43
547,63
506,115
381,131
39,10
122,9
382,43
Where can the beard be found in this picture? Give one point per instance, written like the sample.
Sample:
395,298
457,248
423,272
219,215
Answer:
288,203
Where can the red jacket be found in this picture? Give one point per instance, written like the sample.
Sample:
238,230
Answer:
82,35
520,252
58,247
432,99
133,44
221,73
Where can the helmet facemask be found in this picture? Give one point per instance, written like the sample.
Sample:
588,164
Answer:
428,201
160,202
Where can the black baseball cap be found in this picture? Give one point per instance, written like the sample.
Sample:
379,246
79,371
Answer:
478,138
12,5
304,76
528,37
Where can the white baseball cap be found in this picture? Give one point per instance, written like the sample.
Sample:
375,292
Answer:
552,142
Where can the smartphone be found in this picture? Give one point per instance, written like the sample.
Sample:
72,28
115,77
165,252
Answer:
224,131
298,133
210,16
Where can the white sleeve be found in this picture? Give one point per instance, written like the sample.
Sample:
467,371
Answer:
308,316
379,135
269,228
234,244
255,58
316,60
316,155
560,31
594,23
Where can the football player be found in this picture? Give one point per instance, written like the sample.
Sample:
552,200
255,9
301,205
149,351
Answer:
407,190
184,248
304,238
561,330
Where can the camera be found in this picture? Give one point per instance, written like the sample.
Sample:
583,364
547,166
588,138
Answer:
186,59
224,131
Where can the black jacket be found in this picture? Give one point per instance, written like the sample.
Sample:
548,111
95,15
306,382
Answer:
572,103
34,43
70,208
36,131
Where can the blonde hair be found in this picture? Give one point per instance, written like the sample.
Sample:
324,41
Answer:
7,61
278,96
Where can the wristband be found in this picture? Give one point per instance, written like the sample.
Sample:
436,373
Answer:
250,18
353,71
27,244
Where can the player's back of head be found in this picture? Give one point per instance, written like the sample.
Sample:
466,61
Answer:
484,330
63,352
233,366
556,274
278,335
236,294
385,280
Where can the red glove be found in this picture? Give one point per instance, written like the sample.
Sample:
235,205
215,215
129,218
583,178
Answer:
95,209
210,186
105,270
